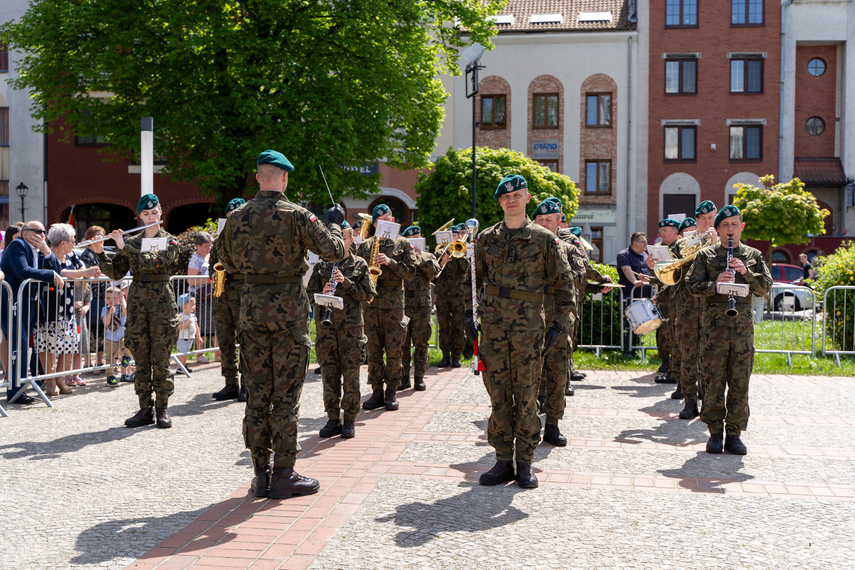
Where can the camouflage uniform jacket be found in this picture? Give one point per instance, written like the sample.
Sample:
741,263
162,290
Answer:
401,267
454,278
418,288
524,260
354,290
270,236
706,268
146,295
589,273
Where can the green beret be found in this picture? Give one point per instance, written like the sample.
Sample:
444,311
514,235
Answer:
548,206
344,224
147,202
233,204
358,224
509,184
726,212
704,207
669,223
556,200
275,158
412,231
563,218
576,231
687,223
378,211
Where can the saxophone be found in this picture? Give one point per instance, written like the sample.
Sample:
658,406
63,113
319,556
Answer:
374,270
219,279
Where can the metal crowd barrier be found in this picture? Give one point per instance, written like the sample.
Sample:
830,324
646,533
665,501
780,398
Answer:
839,316
790,322
6,349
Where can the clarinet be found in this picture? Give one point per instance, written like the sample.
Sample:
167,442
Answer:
731,298
327,322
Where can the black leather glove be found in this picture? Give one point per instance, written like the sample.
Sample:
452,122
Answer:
471,327
552,336
335,215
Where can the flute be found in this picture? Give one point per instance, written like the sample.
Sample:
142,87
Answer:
106,237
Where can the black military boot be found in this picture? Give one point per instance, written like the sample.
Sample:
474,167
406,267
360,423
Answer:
525,478
332,428
285,482
678,393
714,443
229,392
455,362
690,410
261,482
375,401
419,384
391,402
144,417
577,376
569,390
540,401
445,362
664,367
502,472
348,430
242,393
551,434
405,380
163,419
734,445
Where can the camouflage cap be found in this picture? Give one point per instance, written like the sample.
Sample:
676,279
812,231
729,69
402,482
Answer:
576,231
688,223
726,212
704,207
548,206
233,204
275,158
378,211
147,202
510,183
412,231
669,223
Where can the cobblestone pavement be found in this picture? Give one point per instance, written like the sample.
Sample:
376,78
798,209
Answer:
633,488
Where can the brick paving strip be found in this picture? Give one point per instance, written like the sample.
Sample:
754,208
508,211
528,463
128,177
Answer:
245,532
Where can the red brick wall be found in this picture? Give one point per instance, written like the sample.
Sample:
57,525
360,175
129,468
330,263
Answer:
598,143
815,96
713,38
494,138
542,85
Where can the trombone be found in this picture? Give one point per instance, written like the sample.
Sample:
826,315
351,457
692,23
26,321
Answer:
455,248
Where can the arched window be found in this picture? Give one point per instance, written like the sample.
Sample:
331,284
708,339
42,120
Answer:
108,216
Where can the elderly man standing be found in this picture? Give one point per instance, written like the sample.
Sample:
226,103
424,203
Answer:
24,259
267,240
514,261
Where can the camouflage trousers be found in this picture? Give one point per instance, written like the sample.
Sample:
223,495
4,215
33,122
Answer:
340,353
451,320
728,355
150,337
513,365
573,335
554,379
226,318
386,330
273,366
419,330
687,341
664,334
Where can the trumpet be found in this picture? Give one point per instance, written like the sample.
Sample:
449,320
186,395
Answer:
219,279
106,237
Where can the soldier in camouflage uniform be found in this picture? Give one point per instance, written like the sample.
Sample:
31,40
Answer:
514,260
226,318
666,304
727,342
555,374
340,347
417,308
385,322
267,239
152,326
450,306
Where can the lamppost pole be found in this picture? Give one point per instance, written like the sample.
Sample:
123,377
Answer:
473,55
22,192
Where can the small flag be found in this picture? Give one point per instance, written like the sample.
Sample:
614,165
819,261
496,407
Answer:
71,217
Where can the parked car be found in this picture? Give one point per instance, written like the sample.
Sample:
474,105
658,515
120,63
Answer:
798,297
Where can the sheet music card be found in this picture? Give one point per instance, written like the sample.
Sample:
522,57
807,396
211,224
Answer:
329,301
154,245
444,237
418,243
660,252
387,229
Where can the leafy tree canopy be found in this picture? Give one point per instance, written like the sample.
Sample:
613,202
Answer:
445,193
781,213
332,82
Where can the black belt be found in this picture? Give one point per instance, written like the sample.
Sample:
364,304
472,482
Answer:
390,283
509,293
235,276
150,278
425,293
273,279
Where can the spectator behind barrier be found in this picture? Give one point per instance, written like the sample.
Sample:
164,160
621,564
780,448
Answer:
96,327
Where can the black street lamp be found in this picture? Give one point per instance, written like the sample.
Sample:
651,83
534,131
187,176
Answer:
473,55
22,191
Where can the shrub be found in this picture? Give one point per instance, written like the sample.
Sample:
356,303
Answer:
838,269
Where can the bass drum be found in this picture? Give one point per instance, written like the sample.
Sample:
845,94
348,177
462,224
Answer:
643,316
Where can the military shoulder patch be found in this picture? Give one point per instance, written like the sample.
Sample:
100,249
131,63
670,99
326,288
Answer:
174,242
312,218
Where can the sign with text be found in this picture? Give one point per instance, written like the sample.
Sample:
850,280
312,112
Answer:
544,149
593,216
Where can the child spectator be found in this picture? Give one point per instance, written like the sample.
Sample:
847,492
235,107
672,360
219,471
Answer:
187,327
114,315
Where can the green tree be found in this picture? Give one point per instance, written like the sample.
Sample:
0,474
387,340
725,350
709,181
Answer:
334,83
445,192
781,213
